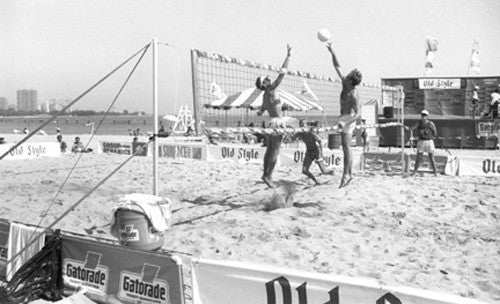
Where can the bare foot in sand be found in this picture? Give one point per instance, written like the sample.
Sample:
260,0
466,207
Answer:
268,182
345,181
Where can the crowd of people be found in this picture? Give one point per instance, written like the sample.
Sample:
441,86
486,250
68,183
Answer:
491,110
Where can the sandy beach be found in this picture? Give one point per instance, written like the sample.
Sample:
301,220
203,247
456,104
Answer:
439,234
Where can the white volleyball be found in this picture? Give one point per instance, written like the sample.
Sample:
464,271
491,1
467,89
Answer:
324,35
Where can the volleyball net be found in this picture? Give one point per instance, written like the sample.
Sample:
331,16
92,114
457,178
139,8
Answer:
216,76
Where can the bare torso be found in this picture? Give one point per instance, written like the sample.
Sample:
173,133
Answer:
348,100
272,102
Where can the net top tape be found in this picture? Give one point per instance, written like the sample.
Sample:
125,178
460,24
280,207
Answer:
279,70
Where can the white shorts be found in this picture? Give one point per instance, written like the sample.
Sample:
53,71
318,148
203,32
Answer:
425,146
348,129
281,122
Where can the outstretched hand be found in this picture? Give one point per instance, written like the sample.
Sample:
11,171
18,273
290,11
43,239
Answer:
288,50
329,46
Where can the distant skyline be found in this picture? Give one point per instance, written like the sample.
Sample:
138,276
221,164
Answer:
60,48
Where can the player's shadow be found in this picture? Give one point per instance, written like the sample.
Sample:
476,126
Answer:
225,202
307,205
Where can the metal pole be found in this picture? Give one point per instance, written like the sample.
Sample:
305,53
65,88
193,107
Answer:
402,105
155,116
194,80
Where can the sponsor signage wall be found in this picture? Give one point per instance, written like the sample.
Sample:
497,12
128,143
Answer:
195,151
439,83
4,239
124,148
332,158
113,273
288,156
243,283
487,128
250,154
377,161
32,150
116,147
444,164
479,166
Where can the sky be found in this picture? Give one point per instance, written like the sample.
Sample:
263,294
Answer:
61,48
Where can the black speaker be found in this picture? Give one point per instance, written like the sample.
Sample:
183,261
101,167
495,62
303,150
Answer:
389,112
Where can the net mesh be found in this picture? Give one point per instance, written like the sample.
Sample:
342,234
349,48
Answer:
234,75
39,277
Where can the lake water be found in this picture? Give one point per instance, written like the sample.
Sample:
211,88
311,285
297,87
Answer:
116,125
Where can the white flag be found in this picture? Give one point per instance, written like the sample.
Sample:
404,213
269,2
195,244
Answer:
216,90
307,91
475,63
431,48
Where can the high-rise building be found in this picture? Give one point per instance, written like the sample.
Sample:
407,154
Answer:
27,100
4,105
57,104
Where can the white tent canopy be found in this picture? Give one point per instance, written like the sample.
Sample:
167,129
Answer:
252,98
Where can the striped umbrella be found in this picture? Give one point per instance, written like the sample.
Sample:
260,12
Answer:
252,99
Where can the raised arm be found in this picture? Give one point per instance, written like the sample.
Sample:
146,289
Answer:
278,80
336,64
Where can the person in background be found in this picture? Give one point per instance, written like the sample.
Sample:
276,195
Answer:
78,147
426,132
495,100
62,143
364,134
475,102
314,151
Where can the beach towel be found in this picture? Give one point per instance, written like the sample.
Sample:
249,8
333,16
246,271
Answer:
19,236
157,209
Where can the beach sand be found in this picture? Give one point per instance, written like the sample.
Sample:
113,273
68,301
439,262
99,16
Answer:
440,234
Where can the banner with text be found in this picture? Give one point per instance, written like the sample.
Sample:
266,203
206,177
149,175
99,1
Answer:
32,150
488,128
114,274
334,159
124,148
379,161
478,166
238,153
444,164
439,83
4,247
116,147
175,150
260,284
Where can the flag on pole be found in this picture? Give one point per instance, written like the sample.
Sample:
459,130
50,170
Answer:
475,63
217,91
431,48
